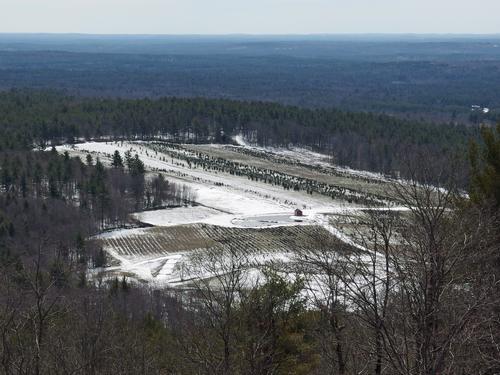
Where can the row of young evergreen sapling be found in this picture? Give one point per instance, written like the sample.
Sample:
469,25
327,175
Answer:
276,158
288,182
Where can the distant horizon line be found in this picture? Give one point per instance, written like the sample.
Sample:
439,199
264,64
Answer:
453,34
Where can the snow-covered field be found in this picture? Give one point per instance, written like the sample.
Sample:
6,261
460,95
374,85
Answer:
183,215
164,254
223,199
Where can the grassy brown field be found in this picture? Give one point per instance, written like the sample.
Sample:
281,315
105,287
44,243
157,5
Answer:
159,241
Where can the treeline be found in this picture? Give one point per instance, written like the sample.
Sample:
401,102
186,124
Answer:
359,140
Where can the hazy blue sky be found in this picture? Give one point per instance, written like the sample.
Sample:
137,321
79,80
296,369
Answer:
250,16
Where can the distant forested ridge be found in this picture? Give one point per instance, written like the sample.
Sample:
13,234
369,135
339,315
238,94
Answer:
434,78
359,140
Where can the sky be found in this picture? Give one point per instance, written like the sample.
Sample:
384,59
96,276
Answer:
250,16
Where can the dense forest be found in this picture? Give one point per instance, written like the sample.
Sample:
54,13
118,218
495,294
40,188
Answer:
51,197
360,140
435,78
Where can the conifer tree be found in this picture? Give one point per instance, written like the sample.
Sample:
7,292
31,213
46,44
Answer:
485,162
117,160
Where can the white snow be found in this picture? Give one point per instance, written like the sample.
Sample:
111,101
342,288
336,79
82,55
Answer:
182,215
240,140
